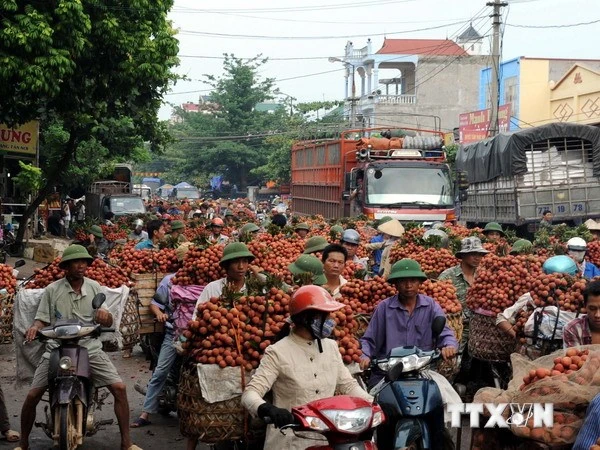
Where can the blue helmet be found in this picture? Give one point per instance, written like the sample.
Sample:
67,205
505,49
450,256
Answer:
560,264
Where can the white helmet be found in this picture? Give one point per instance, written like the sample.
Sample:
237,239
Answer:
576,244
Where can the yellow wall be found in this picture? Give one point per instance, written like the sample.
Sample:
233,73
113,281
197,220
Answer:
577,97
534,93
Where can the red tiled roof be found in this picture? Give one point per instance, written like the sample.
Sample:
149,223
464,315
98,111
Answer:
433,47
190,107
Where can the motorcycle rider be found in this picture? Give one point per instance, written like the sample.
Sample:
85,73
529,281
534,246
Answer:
576,249
560,264
215,237
301,367
168,353
350,241
493,231
156,233
585,330
138,233
97,243
302,229
405,319
236,262
71,298
334,260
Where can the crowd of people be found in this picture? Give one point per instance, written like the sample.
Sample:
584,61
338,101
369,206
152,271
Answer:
302,348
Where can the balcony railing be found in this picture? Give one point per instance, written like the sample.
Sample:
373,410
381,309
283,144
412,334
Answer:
397,99
370,101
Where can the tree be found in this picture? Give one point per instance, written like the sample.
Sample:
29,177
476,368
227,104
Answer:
92,70
231,141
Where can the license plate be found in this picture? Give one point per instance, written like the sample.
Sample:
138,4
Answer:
564,209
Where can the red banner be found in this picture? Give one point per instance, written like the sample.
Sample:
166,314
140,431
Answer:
474,126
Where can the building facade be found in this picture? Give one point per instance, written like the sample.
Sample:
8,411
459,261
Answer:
543,90
430,83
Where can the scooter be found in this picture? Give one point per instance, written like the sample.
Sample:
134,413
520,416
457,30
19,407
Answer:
412,402
72,397
346,422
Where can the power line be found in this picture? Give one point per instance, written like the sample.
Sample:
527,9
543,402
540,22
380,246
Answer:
309,38
571,25
308,8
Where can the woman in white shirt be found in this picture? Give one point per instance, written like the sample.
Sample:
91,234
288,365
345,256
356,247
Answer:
302,367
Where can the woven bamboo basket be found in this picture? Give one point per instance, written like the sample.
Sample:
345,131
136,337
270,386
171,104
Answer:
6,319
130,323
487,342
209,422
455,322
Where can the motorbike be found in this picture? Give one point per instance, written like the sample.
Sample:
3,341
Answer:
411,401
346,422
72,397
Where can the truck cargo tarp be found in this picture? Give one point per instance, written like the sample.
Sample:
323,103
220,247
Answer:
183,184
504,154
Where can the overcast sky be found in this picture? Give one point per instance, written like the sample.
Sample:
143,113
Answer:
209,29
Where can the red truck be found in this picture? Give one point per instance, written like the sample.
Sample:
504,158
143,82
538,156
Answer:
405,177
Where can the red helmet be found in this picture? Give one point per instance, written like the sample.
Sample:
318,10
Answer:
313,297
218,222
166,217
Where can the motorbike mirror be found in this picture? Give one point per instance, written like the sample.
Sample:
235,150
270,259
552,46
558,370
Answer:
438,325
395,372
19,263
160,298
98,300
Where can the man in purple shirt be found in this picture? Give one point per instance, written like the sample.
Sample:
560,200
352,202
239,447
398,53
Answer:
405,319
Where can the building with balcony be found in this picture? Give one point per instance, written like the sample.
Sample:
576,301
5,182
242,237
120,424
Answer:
544,90
419,83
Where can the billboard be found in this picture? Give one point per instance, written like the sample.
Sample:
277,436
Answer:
22,139
474,126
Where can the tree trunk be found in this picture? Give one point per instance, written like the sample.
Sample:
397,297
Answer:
51,181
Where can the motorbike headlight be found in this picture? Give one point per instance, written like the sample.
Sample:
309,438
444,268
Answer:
316,424
387,365
67,331
414,362
65,363
378,419
350,421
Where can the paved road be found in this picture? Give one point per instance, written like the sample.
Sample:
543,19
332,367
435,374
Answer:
162,434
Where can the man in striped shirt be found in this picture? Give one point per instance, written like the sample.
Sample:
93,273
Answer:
590,431
585,330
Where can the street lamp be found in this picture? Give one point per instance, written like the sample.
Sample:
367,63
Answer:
333,59
292,99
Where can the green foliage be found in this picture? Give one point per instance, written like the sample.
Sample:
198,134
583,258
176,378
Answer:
29,179
93,74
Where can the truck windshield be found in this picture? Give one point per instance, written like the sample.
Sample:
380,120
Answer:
126,205
409,185
188,193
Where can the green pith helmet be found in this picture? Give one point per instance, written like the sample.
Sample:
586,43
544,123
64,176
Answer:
493,226
406,268
315,244
311,264
74,252
520,246
302,226
96,231
249,228
235,250
337,229
177,225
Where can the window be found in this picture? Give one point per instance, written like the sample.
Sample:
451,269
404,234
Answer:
511,90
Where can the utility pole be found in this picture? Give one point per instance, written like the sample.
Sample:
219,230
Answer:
494,82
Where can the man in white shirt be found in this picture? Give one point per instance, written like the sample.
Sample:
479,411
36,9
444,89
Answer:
236,262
